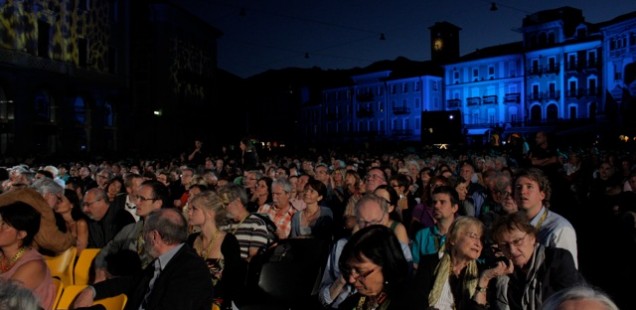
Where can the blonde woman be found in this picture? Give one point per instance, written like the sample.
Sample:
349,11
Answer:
219,249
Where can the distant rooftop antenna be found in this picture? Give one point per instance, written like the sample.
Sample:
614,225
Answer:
493,7
382,37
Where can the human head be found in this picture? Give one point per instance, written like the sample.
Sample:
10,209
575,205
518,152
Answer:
532,190
235,199
20,223
373,262
372,209
579,297
95,204
132,181
515,237
314,191
50,190
151,195
374,178
102,177
465,237
115,187
207,206
389,194
281,192
445,202
14,296
169,224
70,203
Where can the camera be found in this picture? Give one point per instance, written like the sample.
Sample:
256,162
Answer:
493,261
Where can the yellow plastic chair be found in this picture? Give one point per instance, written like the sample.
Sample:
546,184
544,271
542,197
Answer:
113,303
83,271
59,288
68,296
62,265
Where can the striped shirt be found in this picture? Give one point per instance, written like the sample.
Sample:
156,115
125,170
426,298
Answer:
250,233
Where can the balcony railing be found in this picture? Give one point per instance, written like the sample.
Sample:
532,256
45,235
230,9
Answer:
490,99
512,98
471,101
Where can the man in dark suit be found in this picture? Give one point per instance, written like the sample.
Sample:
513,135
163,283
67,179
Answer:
178,278
106,219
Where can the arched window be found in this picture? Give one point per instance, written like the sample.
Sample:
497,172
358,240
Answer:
79,111
535,114
552,113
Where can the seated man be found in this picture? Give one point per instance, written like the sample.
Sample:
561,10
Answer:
178,278
150,196
106,220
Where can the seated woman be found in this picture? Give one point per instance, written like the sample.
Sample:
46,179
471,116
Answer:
373,262
315,220
74,218
219,249
452,278
392,221
536,271
19,222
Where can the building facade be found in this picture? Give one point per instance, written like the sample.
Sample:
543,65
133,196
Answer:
564,72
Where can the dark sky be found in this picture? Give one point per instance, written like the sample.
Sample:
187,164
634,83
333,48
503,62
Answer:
343,34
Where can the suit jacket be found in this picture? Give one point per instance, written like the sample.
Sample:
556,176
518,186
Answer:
103,231
184,284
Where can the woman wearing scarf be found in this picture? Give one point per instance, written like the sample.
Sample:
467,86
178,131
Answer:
452,279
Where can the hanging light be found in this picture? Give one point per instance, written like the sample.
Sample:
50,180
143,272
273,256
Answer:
382,37
493,7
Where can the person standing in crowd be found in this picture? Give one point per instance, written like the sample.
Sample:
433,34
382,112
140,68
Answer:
196,158
248,157
178,278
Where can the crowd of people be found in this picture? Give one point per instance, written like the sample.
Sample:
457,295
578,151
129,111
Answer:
542,227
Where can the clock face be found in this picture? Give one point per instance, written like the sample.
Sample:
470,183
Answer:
438,44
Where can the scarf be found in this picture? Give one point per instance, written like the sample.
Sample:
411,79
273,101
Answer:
442,272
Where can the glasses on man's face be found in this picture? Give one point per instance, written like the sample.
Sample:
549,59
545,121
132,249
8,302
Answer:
517,243
88,204
373,177
142,198
360,275
362,223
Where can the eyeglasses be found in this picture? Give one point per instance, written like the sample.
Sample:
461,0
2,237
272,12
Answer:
142,198
88,204
517,243
363,223
373,176
359,275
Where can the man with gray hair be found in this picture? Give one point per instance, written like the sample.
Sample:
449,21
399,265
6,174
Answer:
178,278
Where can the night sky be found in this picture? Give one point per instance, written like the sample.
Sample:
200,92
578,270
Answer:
259,35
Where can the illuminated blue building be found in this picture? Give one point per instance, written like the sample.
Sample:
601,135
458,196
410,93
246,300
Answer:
565,71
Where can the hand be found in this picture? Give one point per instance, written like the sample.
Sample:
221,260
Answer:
502,268
84,299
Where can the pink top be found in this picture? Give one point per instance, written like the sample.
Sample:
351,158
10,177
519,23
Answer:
45,292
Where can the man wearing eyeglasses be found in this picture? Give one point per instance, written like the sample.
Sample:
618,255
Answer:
106,220
126,253
132,182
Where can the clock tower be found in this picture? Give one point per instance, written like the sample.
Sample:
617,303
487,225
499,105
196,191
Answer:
444,42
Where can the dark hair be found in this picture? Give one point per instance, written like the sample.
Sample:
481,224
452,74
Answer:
510,222
450,191
22,216
318,186
159,191
76,210
378,244
537,175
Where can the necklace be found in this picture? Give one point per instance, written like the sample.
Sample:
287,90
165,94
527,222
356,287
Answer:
6,264
205,251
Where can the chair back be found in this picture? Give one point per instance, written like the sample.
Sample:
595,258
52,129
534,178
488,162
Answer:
83,267
61,265
68,296
59,288
113,303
